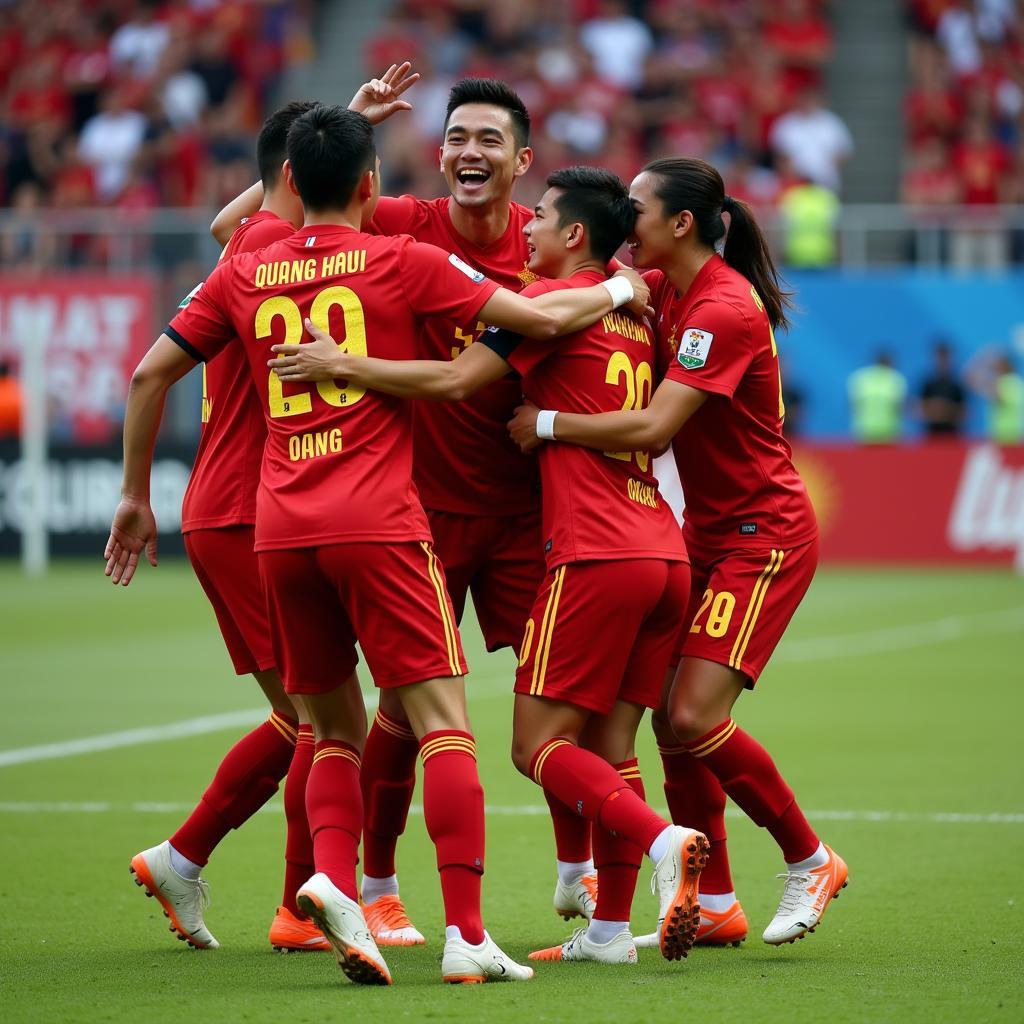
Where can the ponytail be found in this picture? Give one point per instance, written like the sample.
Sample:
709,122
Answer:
746,251
694,185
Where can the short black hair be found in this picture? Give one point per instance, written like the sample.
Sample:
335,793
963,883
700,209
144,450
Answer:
271,145
330,149
495,94
599,201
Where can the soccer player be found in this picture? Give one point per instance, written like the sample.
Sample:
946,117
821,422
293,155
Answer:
605,623
343,543
749,526
485,518
218,517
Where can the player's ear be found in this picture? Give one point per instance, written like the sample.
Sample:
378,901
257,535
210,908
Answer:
367,185
440,159
524,158
576,237
682,223
286,170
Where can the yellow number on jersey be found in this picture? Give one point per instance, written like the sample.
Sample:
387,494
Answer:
638,396
719,615
354,343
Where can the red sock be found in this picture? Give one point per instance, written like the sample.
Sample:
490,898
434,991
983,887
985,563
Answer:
748,774
588,783
618,860
334,805
298,846
388,779
453,806
246,779
572,833
696,800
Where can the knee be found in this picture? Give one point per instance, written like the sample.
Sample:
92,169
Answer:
689,723
661,724
522,754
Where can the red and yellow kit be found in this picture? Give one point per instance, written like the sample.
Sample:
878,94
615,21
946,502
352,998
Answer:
618,575
748,523
219,508
480,492
337,465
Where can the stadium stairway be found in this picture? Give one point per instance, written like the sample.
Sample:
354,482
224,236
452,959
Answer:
867,80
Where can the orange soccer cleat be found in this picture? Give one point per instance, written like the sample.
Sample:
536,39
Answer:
805,899
726,928
389,923
290,934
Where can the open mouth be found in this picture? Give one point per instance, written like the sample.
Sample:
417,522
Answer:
472,176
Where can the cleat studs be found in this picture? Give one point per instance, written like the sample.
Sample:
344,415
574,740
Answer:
149,895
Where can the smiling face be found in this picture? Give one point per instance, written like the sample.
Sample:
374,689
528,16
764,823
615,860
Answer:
655,234
480,158
546,242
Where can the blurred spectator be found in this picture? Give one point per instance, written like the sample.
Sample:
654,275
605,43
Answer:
136,47
877,394
110,142
992,375
618,42
943,400
816,140
26,246
10,403
809,214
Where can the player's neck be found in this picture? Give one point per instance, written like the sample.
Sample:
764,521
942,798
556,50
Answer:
480,225
281,205
685,266
349,217
578,266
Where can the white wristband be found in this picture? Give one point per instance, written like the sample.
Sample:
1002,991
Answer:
620,289
546,424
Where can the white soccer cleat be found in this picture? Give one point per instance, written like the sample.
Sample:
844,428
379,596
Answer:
183,899
342,922
805,898
675,881
578,899
389,923
463,964
579,949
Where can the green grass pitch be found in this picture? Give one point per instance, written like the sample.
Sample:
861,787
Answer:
895,699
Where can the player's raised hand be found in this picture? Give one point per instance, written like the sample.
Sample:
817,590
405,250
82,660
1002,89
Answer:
319,359
378,99
523,426
132,531
640,304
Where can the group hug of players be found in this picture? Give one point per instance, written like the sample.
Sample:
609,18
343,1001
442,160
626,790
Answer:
326,508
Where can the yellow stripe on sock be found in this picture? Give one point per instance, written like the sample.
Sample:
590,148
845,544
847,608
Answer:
448,744
538,768
766,572
450,634
669,751
715,742
393,728
290,734
349,755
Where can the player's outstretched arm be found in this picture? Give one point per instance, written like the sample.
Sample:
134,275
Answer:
134,526
442,380
570,309
643,430
376,100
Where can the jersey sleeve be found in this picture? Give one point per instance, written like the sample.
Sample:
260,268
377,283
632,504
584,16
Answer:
530,352
715,349
395,216
437,283
261,234
202,325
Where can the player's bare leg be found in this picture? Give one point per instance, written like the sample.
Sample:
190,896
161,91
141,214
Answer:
388,779
453,807
544,748
245,780
607,939
334,805
699,711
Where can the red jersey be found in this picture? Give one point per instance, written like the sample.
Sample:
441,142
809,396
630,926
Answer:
222,488
597,506
736,468
465,461
337,465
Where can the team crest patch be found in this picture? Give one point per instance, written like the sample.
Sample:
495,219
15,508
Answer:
188,298
526,275
475,276
694,348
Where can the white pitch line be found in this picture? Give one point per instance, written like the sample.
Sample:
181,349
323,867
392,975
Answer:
530,811
821,648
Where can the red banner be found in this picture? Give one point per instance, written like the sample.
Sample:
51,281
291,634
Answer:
95,329
938,502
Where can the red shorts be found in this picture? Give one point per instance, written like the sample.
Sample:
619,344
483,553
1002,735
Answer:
497,558
604,631
389,597
227,568
741,603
